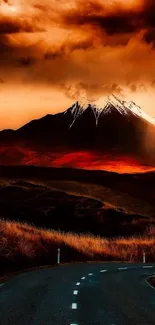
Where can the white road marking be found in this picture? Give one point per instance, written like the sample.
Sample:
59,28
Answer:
74,305
149,283
73,324
78,283
147,266
102,271
75,292
90,274
83,278
2,284
122,268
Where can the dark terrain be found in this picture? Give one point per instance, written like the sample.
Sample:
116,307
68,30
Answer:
97,135
102,203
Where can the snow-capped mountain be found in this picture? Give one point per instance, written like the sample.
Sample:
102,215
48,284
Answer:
117,128
110,104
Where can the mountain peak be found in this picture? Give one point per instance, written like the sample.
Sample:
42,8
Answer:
111,103
75,110
112,126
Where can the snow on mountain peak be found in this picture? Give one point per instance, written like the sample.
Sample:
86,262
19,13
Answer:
116,103
76,110
125,107
97,112
109,104
136,110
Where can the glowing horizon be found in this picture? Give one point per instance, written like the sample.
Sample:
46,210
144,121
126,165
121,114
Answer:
78,159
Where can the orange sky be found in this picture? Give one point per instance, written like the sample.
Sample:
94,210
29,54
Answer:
51,51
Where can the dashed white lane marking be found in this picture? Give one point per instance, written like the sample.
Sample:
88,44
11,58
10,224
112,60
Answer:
147,266
75,292
74,305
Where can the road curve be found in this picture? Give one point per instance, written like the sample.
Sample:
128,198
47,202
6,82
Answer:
80,294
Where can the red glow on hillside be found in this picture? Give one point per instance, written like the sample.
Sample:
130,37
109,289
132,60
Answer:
80,159
87,160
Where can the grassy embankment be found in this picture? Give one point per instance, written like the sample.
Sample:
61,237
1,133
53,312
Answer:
24,246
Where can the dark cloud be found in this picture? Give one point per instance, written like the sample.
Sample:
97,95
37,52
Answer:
95,47
11,25
113,23
148,13
120,18
16,26
149,36
26,61
91,44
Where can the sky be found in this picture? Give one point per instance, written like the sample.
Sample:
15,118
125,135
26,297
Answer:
52,52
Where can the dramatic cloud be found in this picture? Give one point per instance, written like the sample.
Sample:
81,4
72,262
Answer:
77,46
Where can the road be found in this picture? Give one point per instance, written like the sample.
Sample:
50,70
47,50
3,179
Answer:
80,294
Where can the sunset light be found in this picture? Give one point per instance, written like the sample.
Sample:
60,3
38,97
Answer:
77,162
54,55
10,8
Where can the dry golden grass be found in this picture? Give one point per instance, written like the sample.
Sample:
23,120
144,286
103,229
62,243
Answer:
23,245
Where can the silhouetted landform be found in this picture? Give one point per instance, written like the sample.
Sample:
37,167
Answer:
140,185
101,203
123,132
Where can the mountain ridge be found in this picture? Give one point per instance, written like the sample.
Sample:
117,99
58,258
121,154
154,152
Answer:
112,102
118,129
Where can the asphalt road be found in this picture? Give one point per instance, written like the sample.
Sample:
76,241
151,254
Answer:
80,294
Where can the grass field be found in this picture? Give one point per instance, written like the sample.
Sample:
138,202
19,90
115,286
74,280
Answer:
23,245
92,210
